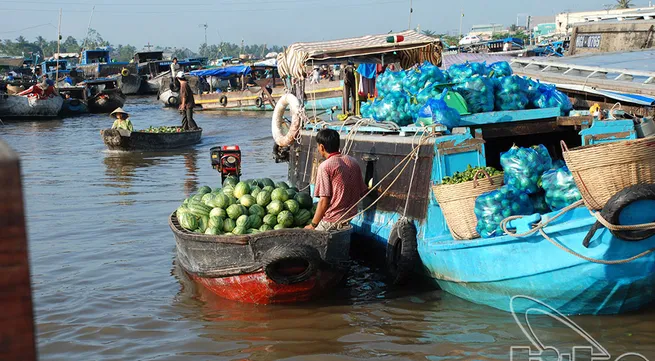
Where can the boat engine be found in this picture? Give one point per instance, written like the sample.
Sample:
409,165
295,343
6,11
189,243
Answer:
226,160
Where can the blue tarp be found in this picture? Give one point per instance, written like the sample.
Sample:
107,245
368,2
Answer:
225,72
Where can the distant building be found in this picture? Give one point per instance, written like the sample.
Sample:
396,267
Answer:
486,31
543,30
565,21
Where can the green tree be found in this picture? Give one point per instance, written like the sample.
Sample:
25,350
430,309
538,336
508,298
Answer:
94,40
70,45
123,52
623,4
430,33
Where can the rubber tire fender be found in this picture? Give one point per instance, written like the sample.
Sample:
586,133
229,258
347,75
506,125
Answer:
613,208
223,100
283,252
172,100
402,252
125,72
259,102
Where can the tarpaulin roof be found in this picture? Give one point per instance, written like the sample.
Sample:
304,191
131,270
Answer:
225,72
11,61
267,62
415,48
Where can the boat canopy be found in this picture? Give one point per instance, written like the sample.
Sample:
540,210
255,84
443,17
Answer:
226,72
11,61
414,48
271,63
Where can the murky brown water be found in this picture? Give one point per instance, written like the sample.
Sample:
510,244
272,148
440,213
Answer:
106,286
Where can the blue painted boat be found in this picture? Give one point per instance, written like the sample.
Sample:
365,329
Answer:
490,271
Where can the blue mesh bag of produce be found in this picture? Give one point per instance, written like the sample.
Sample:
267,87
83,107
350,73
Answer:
389,82
368,109
533,91
460,73
524,167
492,207
419,78
478,93
436,111
500,69
550,97
433,73
395,108
511,93
539,203
560,188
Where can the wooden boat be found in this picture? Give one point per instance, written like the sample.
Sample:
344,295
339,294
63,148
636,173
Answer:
281,266
120,139
105,95
75,101
169,94
28,107
129,84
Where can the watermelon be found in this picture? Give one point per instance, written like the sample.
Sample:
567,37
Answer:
202,223
228,190
220,200
247,200
231,180
198,209
217,190
186,200
314,206
228,225
280,194
304,200
231,200
265,227
234,211
204,190
243,221
270,220
208,199
291,193
253,231
214,231
275,207
196,197
285,218
188,221
257,210
302,218
294,189
283,185
215,222
254,221
254,191
181,209
244,210
292,206
241,189
239,230
279,226
264,198
253,183
218,212
267,182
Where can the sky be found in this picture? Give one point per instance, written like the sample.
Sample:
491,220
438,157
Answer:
178,23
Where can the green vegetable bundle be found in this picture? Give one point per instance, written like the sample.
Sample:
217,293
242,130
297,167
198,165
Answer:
469,174
246,207
162,129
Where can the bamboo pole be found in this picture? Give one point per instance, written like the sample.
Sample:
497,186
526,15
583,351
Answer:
58,50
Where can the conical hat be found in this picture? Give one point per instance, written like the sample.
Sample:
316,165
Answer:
118,110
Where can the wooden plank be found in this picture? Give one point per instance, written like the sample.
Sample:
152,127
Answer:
579,121
508,116
17,331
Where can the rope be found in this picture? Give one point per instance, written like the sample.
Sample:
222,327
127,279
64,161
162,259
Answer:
613,227
411,180
539,228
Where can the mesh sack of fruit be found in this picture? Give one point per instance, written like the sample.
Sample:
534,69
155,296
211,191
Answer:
560,187
550,97
389,82
511,93
492,207
436,111
478,93
500,69
524,167
395,108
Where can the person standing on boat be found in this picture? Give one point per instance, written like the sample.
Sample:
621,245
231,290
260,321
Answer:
122,120
349,87
186,103
175,67
339,185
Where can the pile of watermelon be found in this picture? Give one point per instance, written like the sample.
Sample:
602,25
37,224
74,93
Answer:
246,207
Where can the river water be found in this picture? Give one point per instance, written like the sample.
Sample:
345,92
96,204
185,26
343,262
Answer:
106,286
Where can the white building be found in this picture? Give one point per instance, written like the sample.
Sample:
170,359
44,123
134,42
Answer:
564,21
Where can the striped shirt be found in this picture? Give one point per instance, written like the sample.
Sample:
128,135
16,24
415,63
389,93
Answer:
340,178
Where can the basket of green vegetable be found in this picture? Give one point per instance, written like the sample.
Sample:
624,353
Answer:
456,196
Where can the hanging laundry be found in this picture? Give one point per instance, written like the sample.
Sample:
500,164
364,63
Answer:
367,70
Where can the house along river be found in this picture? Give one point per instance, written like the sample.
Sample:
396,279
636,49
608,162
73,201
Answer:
106,286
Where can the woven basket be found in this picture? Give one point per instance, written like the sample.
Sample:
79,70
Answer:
602,170
457,202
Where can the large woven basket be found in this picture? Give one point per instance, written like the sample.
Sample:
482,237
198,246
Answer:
602,170
457,203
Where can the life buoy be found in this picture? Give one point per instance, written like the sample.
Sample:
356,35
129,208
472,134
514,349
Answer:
172,100
222,100
125,72
402,254
615,206
287,264
278,124
259,102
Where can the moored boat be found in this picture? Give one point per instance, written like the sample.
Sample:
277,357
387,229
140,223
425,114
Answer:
280,266
29,107
120,139
129,84
105,95
75,101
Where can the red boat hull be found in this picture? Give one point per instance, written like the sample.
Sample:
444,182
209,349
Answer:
258,288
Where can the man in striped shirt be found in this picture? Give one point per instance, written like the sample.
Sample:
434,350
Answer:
339,185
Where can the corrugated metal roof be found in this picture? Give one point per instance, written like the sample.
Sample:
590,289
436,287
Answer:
632,60
460,58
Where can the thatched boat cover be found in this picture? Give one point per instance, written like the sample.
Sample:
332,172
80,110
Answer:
415,49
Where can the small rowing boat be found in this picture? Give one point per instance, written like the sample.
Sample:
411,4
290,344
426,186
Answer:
121,139
29,107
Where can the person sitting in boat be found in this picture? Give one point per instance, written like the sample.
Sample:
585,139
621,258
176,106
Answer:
186,103
122,120
339,185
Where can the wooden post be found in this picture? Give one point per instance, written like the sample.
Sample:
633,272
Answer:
16,318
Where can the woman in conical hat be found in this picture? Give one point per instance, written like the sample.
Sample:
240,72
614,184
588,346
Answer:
122,120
